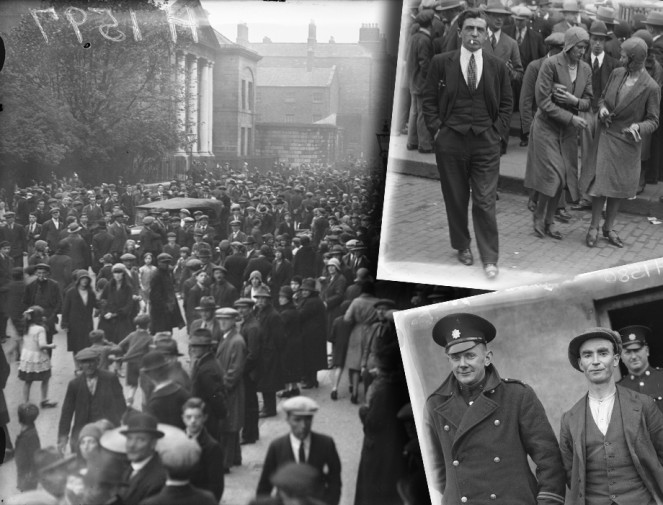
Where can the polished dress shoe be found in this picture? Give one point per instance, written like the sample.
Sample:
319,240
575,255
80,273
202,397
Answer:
613,238
334,394
465,257
563,215
592,237
425,151
491,270
539,229
412,147
582,205
551,231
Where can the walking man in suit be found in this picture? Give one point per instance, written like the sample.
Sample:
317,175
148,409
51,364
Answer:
612,438
467,107
302,445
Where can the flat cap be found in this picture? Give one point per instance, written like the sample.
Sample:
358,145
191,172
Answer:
300,406
226,313
244,302
87,354
589,334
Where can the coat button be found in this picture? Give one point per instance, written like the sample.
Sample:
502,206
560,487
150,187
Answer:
455,462
647,372
497,422
463,499
497,459
493,497
446,427
642,384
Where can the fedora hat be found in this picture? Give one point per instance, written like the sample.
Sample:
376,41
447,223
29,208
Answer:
142,423
444,5
201,337
605,14
153,360
570,6
496,7
655,18
309,285
598,29
206,303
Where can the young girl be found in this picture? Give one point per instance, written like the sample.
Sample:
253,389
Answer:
145,274
35,363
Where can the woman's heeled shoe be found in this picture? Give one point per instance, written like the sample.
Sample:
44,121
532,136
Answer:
614,239
552,231
354,399
592,237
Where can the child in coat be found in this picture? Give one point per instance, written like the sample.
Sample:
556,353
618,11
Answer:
27,443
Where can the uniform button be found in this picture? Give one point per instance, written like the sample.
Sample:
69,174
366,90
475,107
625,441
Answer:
497,422
613,496
493,496
632,378
497,459
647,372
463,499
455,462
471,403
642,384
446,427
660,397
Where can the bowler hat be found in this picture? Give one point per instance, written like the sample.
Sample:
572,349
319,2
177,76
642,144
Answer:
206,303
309,285
460,331
152,360
603,333
142,423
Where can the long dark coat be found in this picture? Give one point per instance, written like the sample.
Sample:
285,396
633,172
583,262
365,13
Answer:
165,404
48,297
164,309
5,370
491,441
207,384
313,318
270,373
79,252
119,301
61,270
382,463
304,262
206,474
291,356
552,154
279,276
77,317
332,294
614,170
236,264
231,355
251,332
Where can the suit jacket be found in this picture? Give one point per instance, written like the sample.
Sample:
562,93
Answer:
600,78
166,404
207,384
50,233
322,455
32,236
531,48
206,474
643,429
147,482
181,495
506,49
16,236
77,402
444,81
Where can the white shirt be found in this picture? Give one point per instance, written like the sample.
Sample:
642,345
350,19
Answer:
602,411
522,34
295,442
600,58
173,482
465,61
496,34
137,467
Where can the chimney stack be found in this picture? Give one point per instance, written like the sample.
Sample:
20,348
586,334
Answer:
243,34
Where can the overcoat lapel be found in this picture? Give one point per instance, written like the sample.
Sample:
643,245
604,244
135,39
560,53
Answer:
634,93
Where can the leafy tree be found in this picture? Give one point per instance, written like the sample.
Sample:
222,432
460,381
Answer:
76,101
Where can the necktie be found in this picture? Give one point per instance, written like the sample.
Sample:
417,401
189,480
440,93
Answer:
520,38
595,65
472,74
493,40
302,453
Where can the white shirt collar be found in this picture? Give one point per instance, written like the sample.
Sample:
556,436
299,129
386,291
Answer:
497,35
139,465
174,482
295,442
600,58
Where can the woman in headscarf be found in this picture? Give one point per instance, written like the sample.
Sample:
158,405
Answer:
563,89
628,111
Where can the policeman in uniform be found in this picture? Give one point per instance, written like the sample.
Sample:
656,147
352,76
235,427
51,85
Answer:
641,377
480,428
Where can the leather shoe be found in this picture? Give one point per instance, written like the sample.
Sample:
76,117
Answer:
412,147
264,414
592,237
425,151
551,231
563,215
582,205
539,229
491,270
524,143
334,395
614,239
465,257
247,442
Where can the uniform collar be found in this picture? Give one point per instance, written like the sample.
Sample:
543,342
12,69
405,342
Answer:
451,385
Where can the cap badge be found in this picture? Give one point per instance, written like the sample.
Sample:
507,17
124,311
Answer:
455,334
631,336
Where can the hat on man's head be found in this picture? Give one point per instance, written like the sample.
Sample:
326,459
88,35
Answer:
164,258
634,335
598,29
201,337
300,406
167,347
461,331
297,480
153,360
385,302
521,12
444,5
142,423
605,14
655,18
496,7
226,313
262,291
589,334
206,303
425,17
87,354
244,302
127,257
570,6
308,284
193,264
555,39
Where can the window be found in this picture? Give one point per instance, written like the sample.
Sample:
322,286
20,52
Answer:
250,105
249,140
243,95
317,97
242,148
289,118
290,97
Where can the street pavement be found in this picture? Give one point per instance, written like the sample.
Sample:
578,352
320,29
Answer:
415,244
338,419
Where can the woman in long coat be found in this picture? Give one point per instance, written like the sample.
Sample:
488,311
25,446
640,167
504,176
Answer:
291,357
313,318
164,309
563,88
333,290
280,275
117,304
628,111
77,310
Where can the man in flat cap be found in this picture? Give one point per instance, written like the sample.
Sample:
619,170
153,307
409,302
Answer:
164,309
95,394
302,445
612,438
641,377
420,53
481,428
46,293
467,104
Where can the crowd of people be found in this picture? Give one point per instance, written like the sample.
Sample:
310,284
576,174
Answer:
275,287
587,86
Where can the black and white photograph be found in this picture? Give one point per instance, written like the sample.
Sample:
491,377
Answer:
550,393
191,197
525,146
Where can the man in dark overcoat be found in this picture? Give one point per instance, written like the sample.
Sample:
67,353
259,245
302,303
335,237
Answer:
15,234
95,394
167,398
164,310
251,331
46,293
302,445
467,106
480,429
612,438
79,251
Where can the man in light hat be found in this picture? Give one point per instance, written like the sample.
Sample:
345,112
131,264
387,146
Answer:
147,476
95,394
654,24
480,428
641,376
302,445
447,11
467,128
612,438
231,355
571,13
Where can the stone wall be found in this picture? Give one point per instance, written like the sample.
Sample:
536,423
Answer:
298,143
